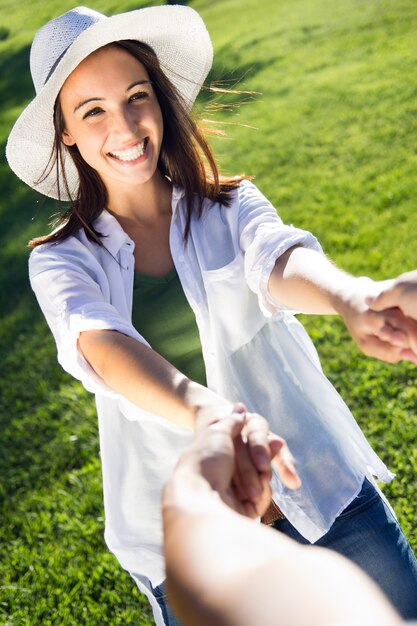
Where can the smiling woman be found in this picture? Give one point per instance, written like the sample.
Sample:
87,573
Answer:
156,246
114,119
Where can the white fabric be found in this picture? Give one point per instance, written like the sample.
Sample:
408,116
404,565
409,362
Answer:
254,352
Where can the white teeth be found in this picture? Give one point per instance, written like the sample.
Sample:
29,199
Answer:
131,153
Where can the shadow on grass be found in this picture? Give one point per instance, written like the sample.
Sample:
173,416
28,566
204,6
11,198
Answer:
47,421
39,403
40,407
21,209
37,412
16,85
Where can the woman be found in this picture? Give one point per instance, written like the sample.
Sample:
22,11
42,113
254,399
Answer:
213,276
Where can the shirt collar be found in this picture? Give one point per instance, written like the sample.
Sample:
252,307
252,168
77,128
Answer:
114,237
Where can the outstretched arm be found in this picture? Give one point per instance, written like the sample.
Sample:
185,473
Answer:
307,281
141,375
145,378
227,570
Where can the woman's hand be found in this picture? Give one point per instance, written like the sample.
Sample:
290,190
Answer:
233,455
400,295
386,334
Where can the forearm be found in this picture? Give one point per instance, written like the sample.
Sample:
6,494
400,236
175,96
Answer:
145,378
197,567
307,281
227,570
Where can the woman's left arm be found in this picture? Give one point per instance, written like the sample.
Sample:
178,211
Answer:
307,281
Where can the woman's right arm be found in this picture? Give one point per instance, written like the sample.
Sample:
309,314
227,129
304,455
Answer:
97,343
100,347
144,377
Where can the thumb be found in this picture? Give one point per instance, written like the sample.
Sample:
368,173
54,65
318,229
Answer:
284,462
385,300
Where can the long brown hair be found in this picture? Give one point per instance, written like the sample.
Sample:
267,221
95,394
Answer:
185,158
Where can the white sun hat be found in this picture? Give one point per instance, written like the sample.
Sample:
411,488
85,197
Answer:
176,34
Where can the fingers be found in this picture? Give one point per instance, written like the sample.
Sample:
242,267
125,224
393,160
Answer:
398,302
246,478
409,355
234,456
284,462
386,300
401,293
388,335
253,464
257,433
398,326
375,347
394,337
388,320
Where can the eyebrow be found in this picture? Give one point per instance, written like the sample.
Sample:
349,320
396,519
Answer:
132,86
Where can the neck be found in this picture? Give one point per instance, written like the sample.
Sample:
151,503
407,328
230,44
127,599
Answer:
146,203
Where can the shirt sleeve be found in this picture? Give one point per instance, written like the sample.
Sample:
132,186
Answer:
264,238
73,293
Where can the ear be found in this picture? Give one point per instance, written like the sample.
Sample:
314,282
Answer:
67,138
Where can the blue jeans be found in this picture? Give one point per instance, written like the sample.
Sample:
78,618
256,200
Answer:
161,597
368,534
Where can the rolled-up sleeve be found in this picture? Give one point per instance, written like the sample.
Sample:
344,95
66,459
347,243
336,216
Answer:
73,293
263,239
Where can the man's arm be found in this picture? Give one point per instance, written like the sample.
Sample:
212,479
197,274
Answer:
225,569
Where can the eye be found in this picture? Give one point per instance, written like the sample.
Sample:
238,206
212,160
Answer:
139,95
92,112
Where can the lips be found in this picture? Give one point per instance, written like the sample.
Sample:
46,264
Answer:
131,154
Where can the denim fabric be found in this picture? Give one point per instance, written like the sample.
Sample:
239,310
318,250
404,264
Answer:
161,597
368,533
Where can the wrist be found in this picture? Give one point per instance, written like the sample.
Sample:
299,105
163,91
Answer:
350,295
206,406
199,405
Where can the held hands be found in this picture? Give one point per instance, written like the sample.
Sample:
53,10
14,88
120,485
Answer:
379,316
400,294
233,456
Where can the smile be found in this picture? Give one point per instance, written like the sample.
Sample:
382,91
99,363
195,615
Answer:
131,154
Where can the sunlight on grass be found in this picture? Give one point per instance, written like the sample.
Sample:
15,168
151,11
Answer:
333,145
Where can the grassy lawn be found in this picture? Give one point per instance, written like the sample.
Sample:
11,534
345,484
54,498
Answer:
330,136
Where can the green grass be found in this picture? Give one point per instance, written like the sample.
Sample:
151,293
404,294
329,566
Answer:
334,146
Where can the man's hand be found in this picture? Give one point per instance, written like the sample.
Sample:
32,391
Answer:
399,295
386,333
233,456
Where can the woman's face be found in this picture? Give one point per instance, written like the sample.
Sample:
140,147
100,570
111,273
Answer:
112,114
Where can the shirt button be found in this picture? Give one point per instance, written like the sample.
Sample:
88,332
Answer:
181,259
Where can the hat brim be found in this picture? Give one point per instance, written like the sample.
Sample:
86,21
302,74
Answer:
180,40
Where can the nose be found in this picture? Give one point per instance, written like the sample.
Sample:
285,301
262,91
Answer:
125,121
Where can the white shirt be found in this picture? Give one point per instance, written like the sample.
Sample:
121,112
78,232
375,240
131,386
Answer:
254,350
